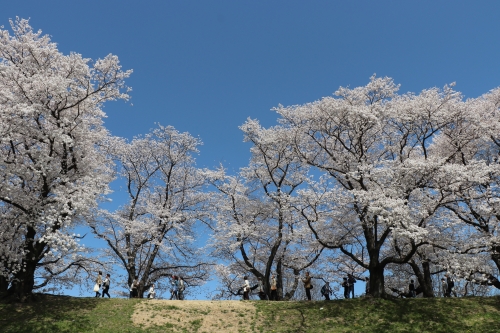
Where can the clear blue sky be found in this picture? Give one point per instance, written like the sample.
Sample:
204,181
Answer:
205,66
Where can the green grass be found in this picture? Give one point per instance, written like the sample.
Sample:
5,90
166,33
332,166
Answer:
436,315
68,314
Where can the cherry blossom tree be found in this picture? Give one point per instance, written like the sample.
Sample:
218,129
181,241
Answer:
257,231
152,236
477,199
52,170
387,162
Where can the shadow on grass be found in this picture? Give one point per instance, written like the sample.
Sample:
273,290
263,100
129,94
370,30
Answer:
475,314
61,314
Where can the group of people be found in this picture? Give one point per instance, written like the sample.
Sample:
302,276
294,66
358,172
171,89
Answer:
176,291
104,283
177,288
326,290
348,285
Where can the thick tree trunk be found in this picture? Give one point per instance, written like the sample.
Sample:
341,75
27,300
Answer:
377,283
423,276
4,284
426,284
25,281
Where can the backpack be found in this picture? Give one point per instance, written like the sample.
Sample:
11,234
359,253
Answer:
181,285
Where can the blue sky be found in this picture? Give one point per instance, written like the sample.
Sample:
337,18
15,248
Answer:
206,66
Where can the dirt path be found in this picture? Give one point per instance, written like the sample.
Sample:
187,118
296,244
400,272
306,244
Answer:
197,316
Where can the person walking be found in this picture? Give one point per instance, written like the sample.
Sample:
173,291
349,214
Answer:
345,285
451,285
131,291
351,280
182,287
105,286
134,287
98,282
152,291
326,291
307,285
444,287
262,293
246,288
174,291
411,289
274,289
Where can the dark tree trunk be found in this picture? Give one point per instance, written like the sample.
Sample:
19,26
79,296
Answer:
279,280
423,276
4,284
377,284
25,279
427,289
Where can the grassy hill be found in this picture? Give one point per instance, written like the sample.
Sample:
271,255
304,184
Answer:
69,314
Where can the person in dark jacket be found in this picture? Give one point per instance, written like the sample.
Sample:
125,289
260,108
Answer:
351,280
451,285
411,288
105,286
326,290
345,285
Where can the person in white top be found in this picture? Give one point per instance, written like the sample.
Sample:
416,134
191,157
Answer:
246,288
152,291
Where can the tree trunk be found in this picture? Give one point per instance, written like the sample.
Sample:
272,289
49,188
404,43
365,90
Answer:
426,284
423,276
288,296
377,284
25,281
25,278
279,280
4,284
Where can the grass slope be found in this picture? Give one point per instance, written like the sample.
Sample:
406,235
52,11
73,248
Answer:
68,314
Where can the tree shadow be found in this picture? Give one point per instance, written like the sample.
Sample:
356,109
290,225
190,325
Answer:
381,315
48,314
